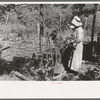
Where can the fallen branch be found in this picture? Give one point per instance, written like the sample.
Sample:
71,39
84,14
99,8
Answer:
60,77
19,75
4,48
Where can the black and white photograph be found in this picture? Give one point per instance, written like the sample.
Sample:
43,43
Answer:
50,42
49,49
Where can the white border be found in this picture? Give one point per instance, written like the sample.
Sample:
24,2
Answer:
70,89
68,2
33,89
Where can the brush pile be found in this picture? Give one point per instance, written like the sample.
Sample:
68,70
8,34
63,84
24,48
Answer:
30,69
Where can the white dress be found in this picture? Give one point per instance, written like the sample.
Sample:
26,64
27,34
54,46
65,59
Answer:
78,52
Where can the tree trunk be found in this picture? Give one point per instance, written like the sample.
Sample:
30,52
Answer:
93,27
85,26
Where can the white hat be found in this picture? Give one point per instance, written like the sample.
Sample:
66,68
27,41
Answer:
76,21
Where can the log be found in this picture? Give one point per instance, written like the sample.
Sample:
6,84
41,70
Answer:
61,77
19,75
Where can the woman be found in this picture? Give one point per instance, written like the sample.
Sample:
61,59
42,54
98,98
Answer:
76,59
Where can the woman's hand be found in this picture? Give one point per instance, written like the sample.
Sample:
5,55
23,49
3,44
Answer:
74,45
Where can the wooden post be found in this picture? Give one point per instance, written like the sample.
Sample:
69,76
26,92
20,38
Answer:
93,28
86,18
41,24
40,42
7,19
46,45
41,32
38,27
60,21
